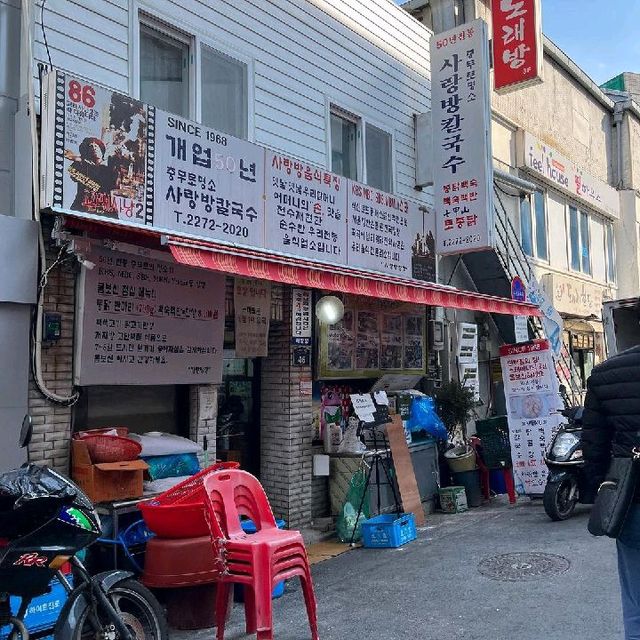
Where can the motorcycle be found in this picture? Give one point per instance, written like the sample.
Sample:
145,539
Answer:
566,479
45,520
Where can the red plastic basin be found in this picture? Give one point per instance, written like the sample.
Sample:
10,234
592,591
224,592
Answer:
176,520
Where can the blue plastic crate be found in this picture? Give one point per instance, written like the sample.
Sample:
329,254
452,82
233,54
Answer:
389,531
43,611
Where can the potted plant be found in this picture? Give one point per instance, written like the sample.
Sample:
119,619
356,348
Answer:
455,404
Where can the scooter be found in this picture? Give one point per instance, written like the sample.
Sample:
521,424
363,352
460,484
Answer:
45,520
566,479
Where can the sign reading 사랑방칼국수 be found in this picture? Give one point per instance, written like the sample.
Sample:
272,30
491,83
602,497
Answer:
106,155
461,112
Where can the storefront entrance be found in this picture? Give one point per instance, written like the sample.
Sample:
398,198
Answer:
238,427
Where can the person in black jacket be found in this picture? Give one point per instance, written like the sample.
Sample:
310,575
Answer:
611,427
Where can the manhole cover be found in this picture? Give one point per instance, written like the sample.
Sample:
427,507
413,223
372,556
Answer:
523,566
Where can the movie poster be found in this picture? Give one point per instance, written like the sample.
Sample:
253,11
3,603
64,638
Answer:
105,152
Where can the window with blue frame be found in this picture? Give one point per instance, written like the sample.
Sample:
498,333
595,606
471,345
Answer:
610,252
579,240
533,226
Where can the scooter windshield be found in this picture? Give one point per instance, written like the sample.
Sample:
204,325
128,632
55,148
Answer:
32,482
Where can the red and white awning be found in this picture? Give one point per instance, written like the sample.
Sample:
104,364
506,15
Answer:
277,268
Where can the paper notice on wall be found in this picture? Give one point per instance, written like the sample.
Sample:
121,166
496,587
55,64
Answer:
381,398
363,406
252,302
207,402
467,343
521,328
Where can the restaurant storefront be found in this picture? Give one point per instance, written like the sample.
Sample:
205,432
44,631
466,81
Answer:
202,259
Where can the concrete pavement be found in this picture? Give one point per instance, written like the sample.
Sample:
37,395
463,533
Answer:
432,588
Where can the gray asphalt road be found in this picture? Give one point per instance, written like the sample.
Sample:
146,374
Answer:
433,589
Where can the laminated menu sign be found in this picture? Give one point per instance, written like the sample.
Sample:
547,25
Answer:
367,340
146,320
382,228
341,343
306,209
467,343
207,183
252,303
531,392
413,357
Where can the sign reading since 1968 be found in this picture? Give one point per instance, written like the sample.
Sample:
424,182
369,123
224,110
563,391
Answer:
108,155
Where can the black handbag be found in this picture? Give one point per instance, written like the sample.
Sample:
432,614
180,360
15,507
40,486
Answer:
615,496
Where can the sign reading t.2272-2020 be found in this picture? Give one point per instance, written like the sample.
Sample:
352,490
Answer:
107,155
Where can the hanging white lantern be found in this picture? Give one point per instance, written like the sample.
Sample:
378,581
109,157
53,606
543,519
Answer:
329,310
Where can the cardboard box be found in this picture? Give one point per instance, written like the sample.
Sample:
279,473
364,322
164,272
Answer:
109,481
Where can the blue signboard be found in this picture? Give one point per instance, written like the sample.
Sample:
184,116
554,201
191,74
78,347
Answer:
518,290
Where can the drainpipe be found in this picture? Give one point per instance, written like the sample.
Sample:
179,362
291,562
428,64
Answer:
618,115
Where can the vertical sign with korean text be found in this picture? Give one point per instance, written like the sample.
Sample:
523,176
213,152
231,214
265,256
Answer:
517,44
463,175
531,392
145,321
301,319
307,210
207,183
252,304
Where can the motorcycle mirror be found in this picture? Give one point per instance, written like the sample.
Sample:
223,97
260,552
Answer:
26,431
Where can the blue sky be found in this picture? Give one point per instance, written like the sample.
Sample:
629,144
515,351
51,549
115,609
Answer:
601,37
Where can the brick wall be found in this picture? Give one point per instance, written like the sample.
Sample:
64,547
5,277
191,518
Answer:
286,426
52,422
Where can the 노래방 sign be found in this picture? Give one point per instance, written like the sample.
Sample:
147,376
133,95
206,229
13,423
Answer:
516,44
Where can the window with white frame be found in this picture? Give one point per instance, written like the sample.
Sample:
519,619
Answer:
610,252
223,83
579,240
345,132
378,155
349,146
533,226
171,76
164,69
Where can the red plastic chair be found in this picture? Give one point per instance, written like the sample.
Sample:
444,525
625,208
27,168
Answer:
507,474
258,561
